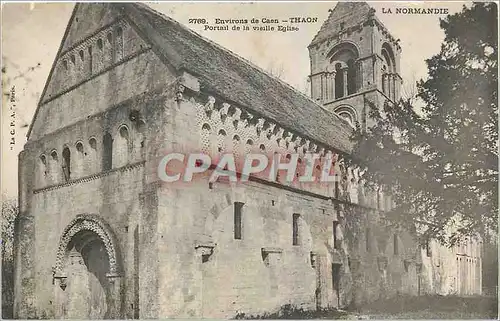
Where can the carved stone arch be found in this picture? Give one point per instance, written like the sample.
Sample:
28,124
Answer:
53,155
79,146
346,47
220,205
348,113
120,128
93,223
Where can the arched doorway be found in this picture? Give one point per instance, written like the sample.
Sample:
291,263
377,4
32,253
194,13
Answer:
86,275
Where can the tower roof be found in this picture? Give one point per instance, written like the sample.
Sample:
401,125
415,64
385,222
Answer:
350,13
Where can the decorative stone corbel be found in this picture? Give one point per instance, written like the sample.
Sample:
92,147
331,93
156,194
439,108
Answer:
355,264
209,106
62,283
382,262
406,264
179,92
314,258
271,255
270,131
112,277
224,111
237,113
204,250
58,276
288,138
313,148
260,124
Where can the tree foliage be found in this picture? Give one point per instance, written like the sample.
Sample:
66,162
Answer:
441,162
9,214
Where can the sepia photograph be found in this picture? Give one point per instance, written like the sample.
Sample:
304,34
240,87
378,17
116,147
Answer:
249,160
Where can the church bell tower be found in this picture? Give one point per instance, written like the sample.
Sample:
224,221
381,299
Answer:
354,58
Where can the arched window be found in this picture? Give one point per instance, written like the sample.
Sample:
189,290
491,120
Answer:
344,59
79,148
221,141
54,167
236,148
107,152
66,164
42,168
93,143
79,160
121,150
205,138
388,71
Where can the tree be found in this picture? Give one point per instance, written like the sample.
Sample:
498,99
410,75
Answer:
9,214
442,162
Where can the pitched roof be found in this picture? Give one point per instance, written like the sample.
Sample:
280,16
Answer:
232,77
350,13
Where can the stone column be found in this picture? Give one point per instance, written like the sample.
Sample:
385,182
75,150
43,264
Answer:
359,75
323,80
344,75
385,85
115,286
393,86
332,84
389,85
397,86
327,86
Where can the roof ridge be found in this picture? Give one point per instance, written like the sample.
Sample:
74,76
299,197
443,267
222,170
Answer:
251,64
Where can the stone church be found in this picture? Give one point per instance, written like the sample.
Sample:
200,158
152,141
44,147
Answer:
99,235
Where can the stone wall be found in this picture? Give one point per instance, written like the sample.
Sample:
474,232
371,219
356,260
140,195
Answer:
179,254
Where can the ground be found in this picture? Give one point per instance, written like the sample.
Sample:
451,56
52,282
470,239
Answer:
402,307
433,307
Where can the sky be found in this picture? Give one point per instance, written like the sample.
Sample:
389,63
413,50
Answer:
31,35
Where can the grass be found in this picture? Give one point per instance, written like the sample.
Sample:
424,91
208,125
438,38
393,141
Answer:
290,312
432,307
401,307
